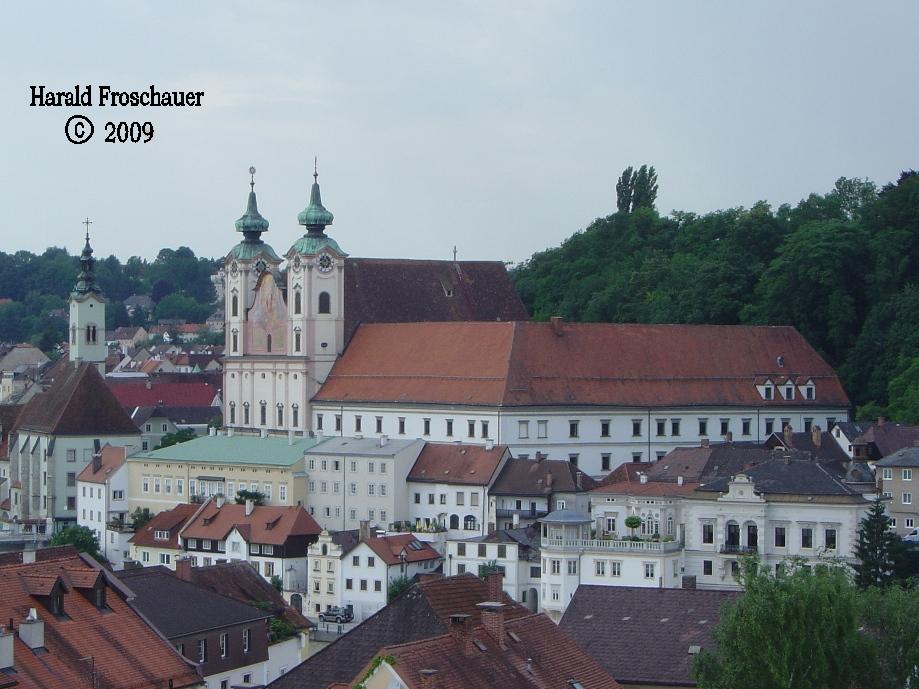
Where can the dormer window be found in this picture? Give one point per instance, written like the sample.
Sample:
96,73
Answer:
99,597
789,392
809,392
767,392
56,601
161,535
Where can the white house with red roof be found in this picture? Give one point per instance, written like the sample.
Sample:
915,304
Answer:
102,502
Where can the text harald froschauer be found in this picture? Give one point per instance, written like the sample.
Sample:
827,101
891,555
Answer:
106,96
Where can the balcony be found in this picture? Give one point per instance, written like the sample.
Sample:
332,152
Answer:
657,547
737,549
525,513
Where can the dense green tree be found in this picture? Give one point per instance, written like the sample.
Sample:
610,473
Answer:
178,306
180,436
80,537
255,496
799,630
876,549
892,617
397,586
903,393
139,518
644,190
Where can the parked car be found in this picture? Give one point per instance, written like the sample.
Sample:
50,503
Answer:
338,614
912,536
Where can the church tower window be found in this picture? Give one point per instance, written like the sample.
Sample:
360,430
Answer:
294,415
280,414
298,302
232,412
91,334
325,303
246,413
235,302
268,344
263,414
73,334
235,344
297,340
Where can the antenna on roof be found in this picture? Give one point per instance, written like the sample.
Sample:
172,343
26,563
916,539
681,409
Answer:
454,253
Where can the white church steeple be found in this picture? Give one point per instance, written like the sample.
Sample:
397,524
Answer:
87,313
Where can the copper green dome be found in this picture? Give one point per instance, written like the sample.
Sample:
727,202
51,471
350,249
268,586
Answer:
310,244
252,224
315,216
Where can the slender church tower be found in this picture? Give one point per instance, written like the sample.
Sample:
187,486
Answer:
87,313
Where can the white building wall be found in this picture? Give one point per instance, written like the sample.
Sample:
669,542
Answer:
437,503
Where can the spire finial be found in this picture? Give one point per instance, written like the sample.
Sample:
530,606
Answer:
87,222
252,177
315,168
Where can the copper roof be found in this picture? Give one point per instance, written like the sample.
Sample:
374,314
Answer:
77,403
457,463
112,460
266,524
529,364
126,652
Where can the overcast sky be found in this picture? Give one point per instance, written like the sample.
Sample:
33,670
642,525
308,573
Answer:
499,127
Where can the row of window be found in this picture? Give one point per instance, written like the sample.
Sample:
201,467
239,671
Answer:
373,489
780,536
324,303
352,513
482,550
263,414
157,485
905,474
224,643
400,425
786,391
905,498
459,498
336,465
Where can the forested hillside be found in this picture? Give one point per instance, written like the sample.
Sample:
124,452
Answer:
842,267
33,287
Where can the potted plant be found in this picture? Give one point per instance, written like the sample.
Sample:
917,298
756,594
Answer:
632,523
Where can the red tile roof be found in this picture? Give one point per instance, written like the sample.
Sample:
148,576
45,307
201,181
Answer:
136,393
387,290
126,653
655,488
457,463
266,524
112,460
540,477
389,549
525,364
77,403
170,520
536,654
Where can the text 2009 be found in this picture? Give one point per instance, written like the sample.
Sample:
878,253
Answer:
123,132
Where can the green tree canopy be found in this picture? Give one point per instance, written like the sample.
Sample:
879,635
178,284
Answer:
876,549
80,537
180,436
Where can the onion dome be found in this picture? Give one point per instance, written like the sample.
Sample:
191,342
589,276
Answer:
86,280
252,224
315,216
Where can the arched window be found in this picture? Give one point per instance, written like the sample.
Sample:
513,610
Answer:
263,414
73,334
232,412
298,302
325,549
246,413
295,415
235,344
297,339
454,521
469,523
296,600
325,303
235,309
280,414
268,343
91,334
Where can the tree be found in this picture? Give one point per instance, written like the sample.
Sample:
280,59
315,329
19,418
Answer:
798,630
489,567
903,394
624,189
636,190
632,522
892,617
397,586
140,517
180,436
80,537
255,496
876,548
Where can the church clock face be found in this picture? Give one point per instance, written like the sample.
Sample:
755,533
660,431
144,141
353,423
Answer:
325,263
260,267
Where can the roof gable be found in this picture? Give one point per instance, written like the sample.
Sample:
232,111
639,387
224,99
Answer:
77,403
457,463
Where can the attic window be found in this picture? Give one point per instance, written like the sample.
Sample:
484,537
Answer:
480,645
767,392
161,535
56,601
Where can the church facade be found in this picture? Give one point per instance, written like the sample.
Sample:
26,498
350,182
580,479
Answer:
288,319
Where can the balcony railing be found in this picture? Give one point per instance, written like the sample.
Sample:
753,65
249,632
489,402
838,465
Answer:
737,549
614,546
526,513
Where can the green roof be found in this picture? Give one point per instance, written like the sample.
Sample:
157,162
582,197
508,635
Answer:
236,449
246,251
310,244
315,216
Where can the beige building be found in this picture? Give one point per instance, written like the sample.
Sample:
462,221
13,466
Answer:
898,474
219,465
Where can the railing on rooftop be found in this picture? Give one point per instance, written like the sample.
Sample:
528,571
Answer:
613,545
737,549
526,513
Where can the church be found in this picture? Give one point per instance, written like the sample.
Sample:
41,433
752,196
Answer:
320,343
288,320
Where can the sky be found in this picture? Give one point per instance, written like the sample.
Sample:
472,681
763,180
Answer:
496,127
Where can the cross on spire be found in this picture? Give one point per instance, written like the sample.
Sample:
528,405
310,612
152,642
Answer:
252,177
316,168
87,222
454,253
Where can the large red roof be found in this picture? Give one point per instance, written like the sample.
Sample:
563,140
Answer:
266,524
126,653
527,364
141,393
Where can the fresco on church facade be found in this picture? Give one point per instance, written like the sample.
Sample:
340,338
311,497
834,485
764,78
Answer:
267,319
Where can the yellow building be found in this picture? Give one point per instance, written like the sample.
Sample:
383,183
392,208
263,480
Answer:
219,465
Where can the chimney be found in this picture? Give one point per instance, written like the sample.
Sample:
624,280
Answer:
705,442
550,479
489,444
427,678
728,437
816,435
579,479
881,421
689,581
461,631
642,478
6,647
97,462
787,434
183,568
493,621
679,480
220,499
32,631
493,588
250,505
28,553
384,440
365,530
557,325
